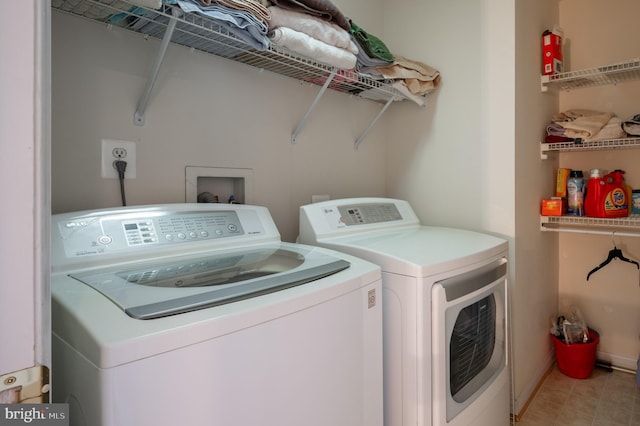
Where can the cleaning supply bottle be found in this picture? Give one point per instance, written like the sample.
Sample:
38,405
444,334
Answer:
616,202
594,198
575,193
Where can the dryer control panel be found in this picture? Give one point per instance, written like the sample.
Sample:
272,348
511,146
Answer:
329,219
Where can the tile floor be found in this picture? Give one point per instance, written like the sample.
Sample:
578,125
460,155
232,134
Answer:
604,399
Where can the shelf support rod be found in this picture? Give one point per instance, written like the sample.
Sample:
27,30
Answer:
375,120
294,135
138,117
589,231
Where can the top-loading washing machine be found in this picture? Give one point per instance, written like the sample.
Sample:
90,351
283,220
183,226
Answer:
197,314
444,309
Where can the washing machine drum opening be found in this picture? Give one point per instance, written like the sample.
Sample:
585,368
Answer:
172,286
473,343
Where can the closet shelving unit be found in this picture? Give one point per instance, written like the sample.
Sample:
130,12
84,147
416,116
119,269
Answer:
599,76
171,25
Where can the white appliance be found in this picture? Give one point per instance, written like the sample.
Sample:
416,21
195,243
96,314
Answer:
444,309
197,314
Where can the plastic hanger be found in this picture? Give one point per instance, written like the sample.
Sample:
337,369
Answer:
614,253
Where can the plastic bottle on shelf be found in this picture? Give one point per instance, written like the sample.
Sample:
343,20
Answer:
593,201
616,202
575,193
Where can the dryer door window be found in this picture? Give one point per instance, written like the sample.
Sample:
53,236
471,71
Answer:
473,342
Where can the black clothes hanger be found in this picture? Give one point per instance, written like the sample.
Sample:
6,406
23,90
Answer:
614,253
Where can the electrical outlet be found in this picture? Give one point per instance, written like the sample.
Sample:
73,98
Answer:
114,150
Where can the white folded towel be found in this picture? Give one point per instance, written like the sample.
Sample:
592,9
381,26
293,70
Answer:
310,47
310,25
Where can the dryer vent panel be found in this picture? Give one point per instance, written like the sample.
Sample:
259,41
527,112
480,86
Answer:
218,184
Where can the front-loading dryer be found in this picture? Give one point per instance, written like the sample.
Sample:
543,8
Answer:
198,314
444,309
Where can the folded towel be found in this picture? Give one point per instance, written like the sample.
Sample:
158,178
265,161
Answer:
310,47
632,125
370,44
419,78
315,27
321,8
557,139
611,130
554,129
582,123
242,24
252,6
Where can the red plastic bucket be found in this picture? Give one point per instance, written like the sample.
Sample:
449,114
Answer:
578,359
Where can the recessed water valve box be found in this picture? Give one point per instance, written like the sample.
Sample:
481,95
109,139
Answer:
218,184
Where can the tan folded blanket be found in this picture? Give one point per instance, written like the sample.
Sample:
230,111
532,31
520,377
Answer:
582,123
419,78
611,130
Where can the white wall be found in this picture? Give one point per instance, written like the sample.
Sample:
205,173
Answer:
204,111
603,34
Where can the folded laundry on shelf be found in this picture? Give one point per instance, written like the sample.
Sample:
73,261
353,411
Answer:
582,123
252,6
632,125
241,23
313,26
321,8
304,45
611,130
370,44
419,78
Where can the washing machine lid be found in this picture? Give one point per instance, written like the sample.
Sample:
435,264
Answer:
158,288
421,251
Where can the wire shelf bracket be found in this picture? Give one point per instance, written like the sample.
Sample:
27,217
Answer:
138,116
375,120
303,120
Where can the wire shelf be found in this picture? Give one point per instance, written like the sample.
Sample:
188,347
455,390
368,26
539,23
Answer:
624,226
206,35
546,148
599,76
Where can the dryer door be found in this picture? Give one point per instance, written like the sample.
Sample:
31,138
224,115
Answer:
175,285
469,337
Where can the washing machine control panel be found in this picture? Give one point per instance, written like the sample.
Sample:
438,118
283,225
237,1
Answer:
96,235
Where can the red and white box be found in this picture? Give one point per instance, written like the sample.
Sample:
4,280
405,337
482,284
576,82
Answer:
552,52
